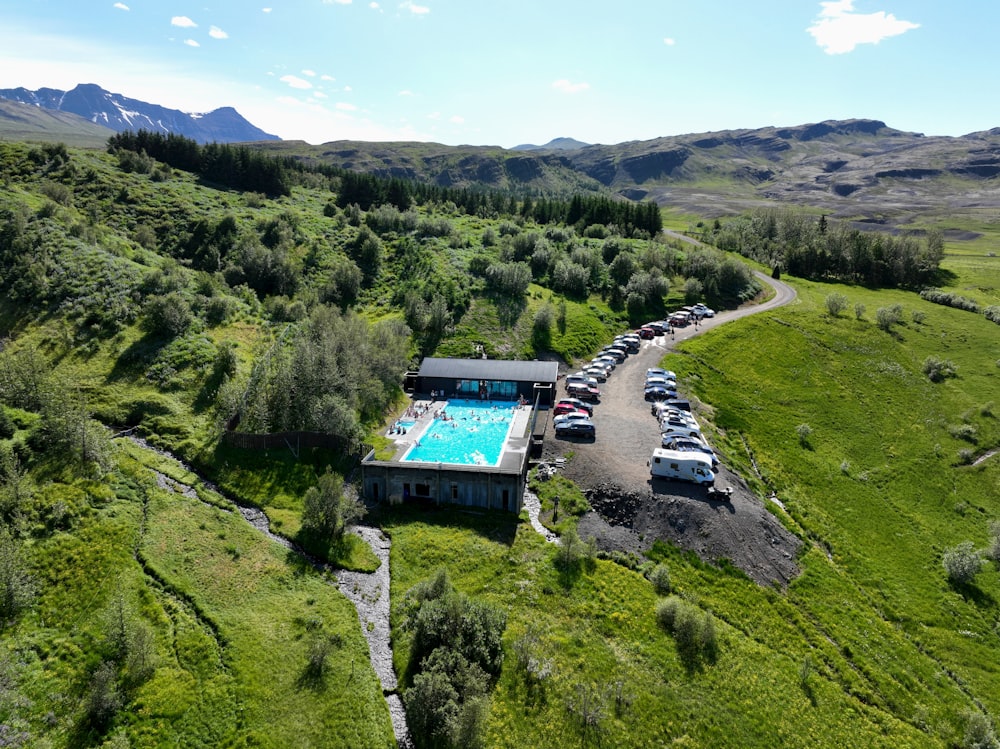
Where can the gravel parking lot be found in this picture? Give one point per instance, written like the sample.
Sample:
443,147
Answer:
631,510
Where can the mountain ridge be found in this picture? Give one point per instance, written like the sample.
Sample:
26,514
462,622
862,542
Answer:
120,113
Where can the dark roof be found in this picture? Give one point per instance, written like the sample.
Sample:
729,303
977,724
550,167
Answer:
490,369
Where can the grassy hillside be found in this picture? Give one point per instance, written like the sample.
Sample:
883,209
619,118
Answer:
137,296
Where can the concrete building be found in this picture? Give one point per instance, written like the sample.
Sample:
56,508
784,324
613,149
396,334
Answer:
439,384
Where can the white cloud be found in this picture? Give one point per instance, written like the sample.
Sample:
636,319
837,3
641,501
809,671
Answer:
405,92
568,87
456,120
295,82
266,10
345,106
348,88
418,10
336,2
122,6
375,6
183,21
320,95
670,42
840,29
310,73
216,33
191,43
326,77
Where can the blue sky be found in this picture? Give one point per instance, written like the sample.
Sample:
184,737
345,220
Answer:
521,71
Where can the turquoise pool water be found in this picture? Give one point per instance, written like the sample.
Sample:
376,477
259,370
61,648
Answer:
474,433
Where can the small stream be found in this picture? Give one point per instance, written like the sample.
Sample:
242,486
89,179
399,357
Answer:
368,591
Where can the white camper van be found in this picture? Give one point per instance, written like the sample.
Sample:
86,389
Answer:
685,466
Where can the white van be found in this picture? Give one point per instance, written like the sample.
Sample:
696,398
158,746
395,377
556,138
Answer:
685,466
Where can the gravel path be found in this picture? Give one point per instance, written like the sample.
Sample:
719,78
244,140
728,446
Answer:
631,509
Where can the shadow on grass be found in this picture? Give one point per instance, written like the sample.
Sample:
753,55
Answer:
133,361
974,594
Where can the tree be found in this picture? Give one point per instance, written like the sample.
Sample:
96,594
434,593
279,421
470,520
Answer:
328,509
17,586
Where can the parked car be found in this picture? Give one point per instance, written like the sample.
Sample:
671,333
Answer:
630,342
607,359
576,403
679,442
578,428
657,326
658,393
598,373
662,381
646,333
570,416
702,311
562,408
581,377
678,321
583,391
679,403
620,353
657,372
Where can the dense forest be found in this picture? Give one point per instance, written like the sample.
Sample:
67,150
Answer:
827,250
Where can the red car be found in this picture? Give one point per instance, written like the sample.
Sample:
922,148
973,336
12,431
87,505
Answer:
646,333
567,408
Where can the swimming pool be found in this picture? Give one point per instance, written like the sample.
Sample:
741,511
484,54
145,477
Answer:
473,433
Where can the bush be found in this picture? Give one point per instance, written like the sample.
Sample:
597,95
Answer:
938,370
886,317
992,313
859,311
962,563
835,304
693,630
168,315
804,432
659,576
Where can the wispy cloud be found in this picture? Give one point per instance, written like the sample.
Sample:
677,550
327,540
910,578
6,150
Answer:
295,82
336,2
310,73
184,22
191,43
375,6
405,92
216,33
418,10
266,10
669,41
345,106
122,6
456,119
326,77
839,28
568,87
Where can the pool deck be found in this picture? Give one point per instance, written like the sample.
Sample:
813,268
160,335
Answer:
511,456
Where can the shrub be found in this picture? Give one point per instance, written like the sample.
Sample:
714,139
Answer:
962,563
168,315
835,304
949,299
859,311
659,576
993,550
693,630
938,370
978,732
804,432
886,317
992,313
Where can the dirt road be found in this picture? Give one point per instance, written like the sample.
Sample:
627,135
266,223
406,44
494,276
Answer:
631,509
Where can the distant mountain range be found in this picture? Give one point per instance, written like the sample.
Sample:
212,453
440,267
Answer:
120,113
556,144
859,169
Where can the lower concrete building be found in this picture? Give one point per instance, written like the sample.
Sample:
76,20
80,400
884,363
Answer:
467,437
